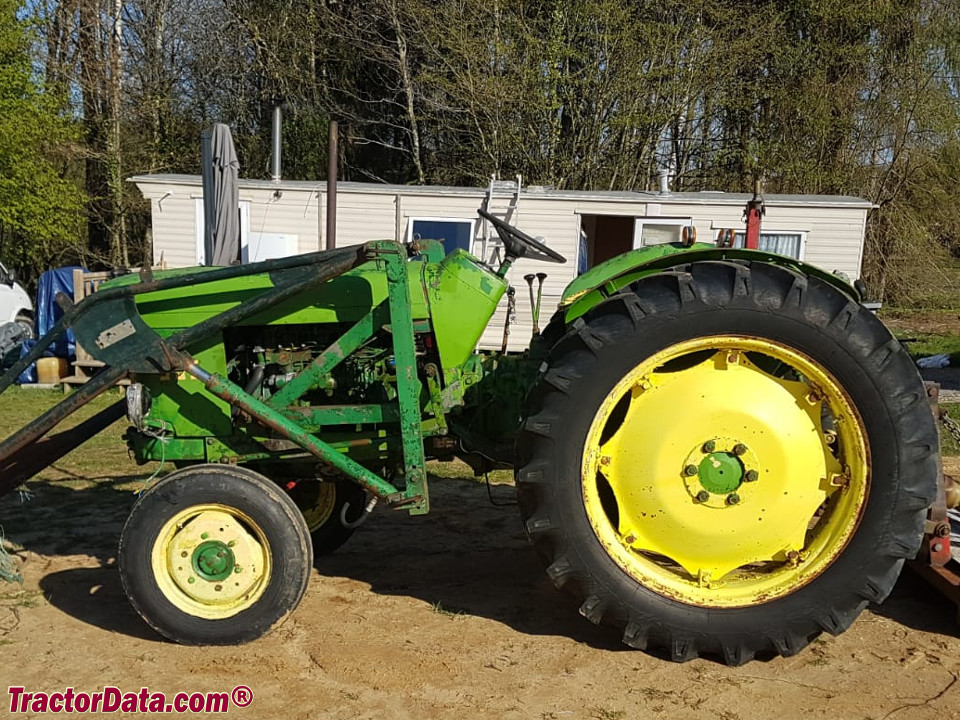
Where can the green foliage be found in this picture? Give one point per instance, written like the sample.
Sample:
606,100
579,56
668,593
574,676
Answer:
40,209
811,96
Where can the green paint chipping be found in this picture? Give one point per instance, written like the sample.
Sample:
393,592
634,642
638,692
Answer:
720,473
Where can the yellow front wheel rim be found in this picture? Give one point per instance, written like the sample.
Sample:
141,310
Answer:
211,561
726,471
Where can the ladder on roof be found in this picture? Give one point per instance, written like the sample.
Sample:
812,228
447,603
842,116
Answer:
490,252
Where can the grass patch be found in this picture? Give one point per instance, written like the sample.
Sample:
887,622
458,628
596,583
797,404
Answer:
605,714
104,455
926,332
21,599
459,470
948,444
438,608
925,344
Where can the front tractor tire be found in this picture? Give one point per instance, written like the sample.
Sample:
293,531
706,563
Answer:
727,459
214,555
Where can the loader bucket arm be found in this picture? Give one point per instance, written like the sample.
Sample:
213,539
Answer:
109,325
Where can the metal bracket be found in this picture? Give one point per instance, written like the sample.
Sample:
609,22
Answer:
936,539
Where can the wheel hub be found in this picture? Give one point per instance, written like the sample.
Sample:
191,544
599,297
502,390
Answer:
718,469
720,473
213,560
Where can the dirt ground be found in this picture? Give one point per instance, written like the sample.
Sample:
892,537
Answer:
446,616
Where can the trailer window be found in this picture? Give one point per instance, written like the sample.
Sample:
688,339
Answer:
658,231
781,243
453,232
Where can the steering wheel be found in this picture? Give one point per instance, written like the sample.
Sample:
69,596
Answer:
518,244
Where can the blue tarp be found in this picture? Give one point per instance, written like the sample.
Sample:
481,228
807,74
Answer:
48,313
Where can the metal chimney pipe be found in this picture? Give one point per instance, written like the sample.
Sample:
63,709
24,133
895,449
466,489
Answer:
332,152
664,181
277,137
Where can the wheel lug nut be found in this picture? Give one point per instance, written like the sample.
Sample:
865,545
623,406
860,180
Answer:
690,470
751,476
739,449
703,496
709,446
733,499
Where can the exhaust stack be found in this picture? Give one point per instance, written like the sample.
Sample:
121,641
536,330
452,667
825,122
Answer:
275,159
664,181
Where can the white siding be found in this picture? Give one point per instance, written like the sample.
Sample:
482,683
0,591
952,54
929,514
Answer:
294,212
362,217
833,237
173,224
556,221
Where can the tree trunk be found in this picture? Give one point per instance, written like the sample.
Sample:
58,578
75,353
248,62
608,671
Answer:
408,91
92,82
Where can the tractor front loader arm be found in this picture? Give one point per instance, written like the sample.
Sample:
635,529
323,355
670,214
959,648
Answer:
109,325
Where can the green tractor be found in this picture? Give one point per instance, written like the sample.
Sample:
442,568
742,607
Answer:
718,451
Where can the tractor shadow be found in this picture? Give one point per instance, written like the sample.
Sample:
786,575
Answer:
79,519
95,596
466,557
472,558
916,604
77,516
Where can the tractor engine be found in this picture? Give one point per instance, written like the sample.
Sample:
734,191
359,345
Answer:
264,359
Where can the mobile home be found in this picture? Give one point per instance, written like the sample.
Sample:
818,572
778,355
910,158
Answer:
279,218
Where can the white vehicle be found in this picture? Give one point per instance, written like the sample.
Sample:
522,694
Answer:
15,305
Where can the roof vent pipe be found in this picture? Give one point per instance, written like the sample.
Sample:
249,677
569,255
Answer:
275,156
664,181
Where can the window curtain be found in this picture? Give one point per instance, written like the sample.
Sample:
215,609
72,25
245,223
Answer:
780,243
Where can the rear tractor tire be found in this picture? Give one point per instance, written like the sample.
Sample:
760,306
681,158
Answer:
727,459
214,555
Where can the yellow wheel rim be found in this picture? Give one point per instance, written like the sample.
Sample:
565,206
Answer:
316,501
726,471
211,561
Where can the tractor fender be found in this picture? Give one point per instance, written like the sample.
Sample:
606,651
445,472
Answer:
602,281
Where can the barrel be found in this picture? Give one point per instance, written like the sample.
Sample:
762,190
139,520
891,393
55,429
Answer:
50,370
